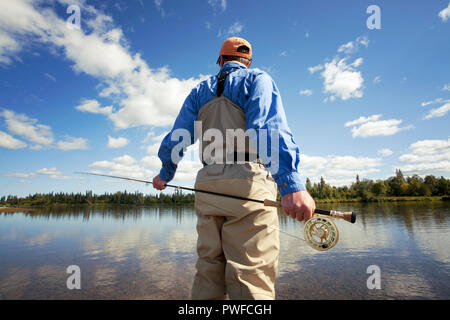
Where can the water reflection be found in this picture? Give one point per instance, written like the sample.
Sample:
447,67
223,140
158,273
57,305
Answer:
149,253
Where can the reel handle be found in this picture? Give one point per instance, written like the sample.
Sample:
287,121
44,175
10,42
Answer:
347,216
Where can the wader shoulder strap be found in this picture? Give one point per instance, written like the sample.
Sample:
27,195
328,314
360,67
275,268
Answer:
221,77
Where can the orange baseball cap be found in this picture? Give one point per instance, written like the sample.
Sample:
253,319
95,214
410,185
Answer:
231,48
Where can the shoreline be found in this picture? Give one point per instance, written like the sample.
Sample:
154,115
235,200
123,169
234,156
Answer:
5,208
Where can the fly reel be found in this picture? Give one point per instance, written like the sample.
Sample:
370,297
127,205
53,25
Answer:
321,233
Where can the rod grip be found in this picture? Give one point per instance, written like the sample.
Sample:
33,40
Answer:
347,216
270,203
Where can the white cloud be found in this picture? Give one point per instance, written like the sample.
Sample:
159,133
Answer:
153,148
343,80
49,171
349,47
129,169
125,159
114,143
353,46
233,30
20,175
93,106
315,69
370,127
151,162
438,112
338,170
444,14
306,92
72,143
427,147
446,87
361,120
357,62
385,152
27,128
427,157
9,142
145,96
427,103
8,48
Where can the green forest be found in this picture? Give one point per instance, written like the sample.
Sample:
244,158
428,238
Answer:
394,188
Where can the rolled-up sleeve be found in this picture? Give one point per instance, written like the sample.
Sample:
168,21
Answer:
264,110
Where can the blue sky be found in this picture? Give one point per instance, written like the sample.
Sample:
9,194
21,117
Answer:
100,98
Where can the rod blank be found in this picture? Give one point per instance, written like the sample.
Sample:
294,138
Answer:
347,216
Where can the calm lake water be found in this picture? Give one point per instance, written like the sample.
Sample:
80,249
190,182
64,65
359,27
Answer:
149,253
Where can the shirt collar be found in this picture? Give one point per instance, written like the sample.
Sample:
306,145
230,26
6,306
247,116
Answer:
232,65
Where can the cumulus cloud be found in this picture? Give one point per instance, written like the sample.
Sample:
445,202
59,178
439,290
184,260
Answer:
27,128
315,68
37,134
338,170
342,79
444,14
20,175
427,157
93,106
8,48
125,159
114,143
144,96
446,87
49,171
438,112
152,162
72,143
9,142
385,152
362,120
371,126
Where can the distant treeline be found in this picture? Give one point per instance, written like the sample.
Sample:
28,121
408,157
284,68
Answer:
369,190
117,198
362,190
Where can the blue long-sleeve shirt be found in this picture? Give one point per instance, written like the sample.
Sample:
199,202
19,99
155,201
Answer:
258,96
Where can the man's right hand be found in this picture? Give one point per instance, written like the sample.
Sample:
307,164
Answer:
298,205
159,183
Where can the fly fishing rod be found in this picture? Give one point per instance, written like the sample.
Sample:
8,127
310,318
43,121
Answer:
321,233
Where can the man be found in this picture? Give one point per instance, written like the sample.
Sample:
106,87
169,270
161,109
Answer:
238,244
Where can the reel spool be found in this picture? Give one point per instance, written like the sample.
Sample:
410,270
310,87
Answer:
321,233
